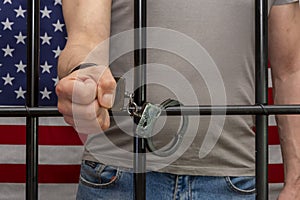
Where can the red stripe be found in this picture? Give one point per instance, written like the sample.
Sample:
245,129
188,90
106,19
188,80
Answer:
270,97
48,135
276,173
273,135
16,173
64,135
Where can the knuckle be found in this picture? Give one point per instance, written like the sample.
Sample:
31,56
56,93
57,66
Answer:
69,121
107,83
106,125
59,89
60,107
105,121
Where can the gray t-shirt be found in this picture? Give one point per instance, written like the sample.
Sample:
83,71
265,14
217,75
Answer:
223,34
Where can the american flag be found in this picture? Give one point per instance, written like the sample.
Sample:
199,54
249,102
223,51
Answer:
60,148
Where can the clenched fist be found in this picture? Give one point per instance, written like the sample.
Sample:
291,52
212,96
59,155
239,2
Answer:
84,97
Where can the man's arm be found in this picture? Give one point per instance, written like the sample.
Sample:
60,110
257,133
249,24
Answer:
85,95
284,54
88,24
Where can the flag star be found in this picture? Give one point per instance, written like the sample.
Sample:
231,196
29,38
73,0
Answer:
57,2
7,1
45,93
55,80
58,26
8,79
7,24
46,67
20,12
46,39
20,66
20,93
57,52
8,51
20,38
46,12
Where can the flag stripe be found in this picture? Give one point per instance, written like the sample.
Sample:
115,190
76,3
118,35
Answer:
270,96
274,190
65,135
276,174
70,173
16,173
275,154
16,191
48,135
57,155
273,135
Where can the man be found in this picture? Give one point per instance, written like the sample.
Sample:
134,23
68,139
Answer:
226,31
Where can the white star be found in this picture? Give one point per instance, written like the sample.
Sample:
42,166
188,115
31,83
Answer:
20,12
8,79
20,93
20,66
8,51
20,38
57,52
46,12
7,1
45,93
46,39
58,26
57,2
55,80
0,65
7,24
46,67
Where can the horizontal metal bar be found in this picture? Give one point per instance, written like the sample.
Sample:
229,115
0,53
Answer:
183,110
29,112
234,110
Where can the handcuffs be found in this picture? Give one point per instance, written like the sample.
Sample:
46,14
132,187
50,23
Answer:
148,114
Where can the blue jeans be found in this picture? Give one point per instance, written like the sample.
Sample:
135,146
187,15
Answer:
98,181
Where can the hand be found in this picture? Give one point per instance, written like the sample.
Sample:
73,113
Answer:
84,98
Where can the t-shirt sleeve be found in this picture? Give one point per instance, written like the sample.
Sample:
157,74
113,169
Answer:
280,2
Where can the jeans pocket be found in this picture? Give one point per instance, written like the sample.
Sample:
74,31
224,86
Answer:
98,175
241,184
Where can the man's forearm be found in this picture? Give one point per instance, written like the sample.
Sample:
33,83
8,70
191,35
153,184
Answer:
288,92
284,49
88,24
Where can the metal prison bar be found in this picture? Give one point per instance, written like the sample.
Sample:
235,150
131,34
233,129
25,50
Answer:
32,112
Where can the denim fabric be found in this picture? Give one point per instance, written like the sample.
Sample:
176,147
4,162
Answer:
98,181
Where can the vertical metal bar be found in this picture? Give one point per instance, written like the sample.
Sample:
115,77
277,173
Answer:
33,63
261,97
140,59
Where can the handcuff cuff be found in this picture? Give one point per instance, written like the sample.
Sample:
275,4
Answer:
148,114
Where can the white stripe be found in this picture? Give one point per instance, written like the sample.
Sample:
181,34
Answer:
44,121
272,121
14,191
269,78
274,190
15,154
275,154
